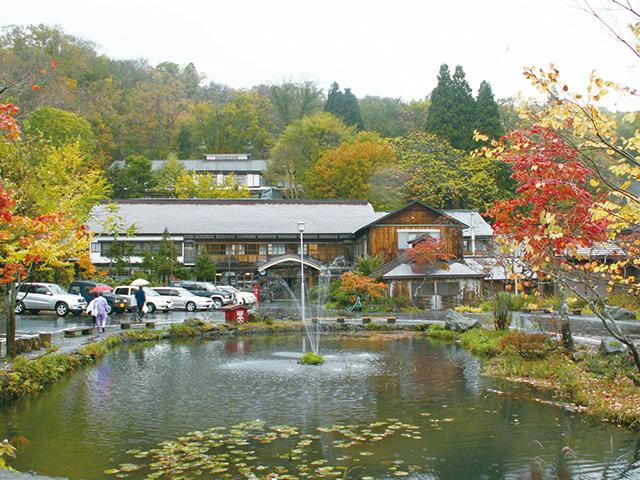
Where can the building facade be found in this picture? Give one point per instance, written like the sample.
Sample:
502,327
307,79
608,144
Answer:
250,239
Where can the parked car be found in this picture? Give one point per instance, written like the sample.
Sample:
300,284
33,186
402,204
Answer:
155,301
206,289
118,303
183,298
48,296
239,296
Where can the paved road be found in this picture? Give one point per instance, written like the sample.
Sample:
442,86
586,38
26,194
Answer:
584,326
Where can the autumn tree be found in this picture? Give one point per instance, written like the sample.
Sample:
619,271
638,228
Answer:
579,121
360,286
301,146
551,218
347,172
425,253
49,238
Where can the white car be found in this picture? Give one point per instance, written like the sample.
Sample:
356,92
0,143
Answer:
183,298
155,301
238,296
48,296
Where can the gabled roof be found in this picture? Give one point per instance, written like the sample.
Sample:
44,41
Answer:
452,221
453,270
238,217
474,221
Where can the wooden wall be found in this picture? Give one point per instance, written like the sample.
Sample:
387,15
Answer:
383,238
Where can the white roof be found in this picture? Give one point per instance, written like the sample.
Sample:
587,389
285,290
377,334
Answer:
455,269
238,217
474,220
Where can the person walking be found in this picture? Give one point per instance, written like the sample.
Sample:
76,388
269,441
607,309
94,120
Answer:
101,308
141,299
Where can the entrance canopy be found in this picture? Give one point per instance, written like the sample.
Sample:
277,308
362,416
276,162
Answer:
288,258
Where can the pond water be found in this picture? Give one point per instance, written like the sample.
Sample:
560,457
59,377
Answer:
374,410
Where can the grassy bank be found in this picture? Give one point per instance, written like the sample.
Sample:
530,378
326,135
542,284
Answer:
603,386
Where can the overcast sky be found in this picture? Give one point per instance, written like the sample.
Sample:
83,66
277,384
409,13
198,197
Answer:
383,48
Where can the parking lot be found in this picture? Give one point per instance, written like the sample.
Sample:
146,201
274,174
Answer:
50,322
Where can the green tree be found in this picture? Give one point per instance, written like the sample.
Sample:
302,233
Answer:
389,117
167,177
294,101
300,147
60,128
452,110
240,126
487,118
134,180
344,105
205,269
444,177
196,185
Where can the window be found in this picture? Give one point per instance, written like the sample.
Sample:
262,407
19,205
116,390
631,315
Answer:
277,249
253,180
448,288
426,289
95,247
405,236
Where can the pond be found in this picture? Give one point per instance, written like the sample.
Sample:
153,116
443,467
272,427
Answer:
374,410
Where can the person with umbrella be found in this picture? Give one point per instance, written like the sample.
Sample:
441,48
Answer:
99,307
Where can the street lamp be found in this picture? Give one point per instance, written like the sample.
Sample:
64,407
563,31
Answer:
301,230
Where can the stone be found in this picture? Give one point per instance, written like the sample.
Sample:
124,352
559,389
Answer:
460,323
611,346
621,313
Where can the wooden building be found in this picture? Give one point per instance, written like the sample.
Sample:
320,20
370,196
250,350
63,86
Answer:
248,239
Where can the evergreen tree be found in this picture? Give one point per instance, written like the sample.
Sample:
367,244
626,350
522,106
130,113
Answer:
205,269
344,105
452,109
465,112
488,121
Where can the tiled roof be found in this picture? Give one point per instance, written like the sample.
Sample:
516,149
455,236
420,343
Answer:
455,269
239,217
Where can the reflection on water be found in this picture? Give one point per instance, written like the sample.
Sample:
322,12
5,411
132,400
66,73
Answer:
140,396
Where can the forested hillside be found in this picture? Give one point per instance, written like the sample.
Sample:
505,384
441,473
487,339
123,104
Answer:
318,144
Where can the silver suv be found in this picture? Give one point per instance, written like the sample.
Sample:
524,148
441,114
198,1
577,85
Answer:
48,296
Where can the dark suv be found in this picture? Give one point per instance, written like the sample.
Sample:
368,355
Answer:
206,289
118,303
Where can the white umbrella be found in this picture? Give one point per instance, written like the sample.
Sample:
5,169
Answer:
139,282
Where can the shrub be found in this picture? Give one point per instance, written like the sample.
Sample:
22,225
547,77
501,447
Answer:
528,345
438,331
482,342
502,310
373,327
468,309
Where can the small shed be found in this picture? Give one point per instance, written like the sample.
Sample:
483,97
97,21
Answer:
235,313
